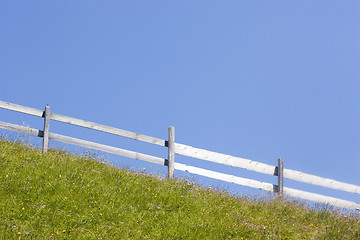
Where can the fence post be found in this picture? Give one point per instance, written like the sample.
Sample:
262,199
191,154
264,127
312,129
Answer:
171,152
280,178
46,129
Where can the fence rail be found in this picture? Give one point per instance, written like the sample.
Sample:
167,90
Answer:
83,143
185,150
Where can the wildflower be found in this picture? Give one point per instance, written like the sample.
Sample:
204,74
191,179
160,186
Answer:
59,175
101,214
144,169
158,207
19,233
64,231
311,225
95,202
293,217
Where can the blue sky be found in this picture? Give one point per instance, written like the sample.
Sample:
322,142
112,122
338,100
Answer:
254,79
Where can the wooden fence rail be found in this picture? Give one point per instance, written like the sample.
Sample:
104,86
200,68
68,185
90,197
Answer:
263,168
83,143
185,150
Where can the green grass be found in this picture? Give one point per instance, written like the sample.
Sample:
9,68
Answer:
61,196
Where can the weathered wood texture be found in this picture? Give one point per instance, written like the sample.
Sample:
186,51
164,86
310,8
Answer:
45,145
105,148
321,198
107,129
171,152
225,177
83,143
280,171
82,123
263,168
320,181
224,159
21,129
22,109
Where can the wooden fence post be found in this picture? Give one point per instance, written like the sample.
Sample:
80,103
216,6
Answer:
171,152
46,116
280,174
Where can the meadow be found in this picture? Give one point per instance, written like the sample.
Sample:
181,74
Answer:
59,195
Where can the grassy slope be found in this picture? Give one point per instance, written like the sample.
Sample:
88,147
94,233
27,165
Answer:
59,196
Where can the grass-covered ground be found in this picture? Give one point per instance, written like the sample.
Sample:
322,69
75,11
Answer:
61,196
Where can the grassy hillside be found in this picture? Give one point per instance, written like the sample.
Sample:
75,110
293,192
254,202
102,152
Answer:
60,196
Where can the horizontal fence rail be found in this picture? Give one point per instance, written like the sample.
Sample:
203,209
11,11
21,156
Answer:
224,159
321,198
267,186
263,168
83,143
22,109
324,182
107,129
83,123
225,177
185,150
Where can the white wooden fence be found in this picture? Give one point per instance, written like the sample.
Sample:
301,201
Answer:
185,150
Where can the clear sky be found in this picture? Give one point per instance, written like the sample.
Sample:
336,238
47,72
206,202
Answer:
254,79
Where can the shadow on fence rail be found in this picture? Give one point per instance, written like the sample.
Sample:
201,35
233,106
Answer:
185,150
